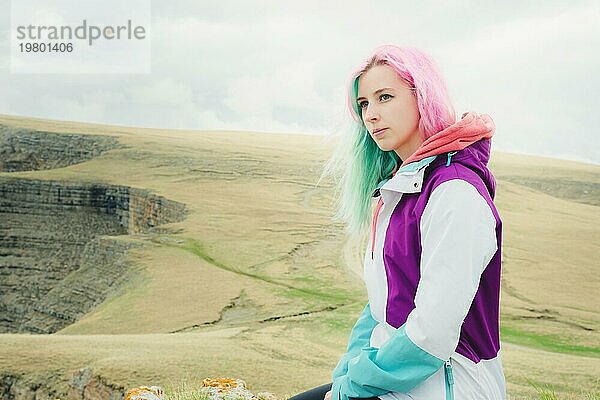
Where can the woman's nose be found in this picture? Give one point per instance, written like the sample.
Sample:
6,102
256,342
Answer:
371,115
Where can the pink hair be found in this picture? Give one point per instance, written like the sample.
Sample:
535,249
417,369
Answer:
419,71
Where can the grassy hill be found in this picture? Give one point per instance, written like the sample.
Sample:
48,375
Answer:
258,283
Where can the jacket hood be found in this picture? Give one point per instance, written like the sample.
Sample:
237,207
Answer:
471,128
467,142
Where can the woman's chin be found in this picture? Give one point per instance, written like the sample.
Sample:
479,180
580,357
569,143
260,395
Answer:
383,144
383,147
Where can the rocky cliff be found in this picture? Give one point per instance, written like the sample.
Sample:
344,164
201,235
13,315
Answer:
57,258
26,150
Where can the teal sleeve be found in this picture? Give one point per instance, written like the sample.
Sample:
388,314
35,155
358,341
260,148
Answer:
397,366
359,337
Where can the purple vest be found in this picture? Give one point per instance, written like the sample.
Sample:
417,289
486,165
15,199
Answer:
479,336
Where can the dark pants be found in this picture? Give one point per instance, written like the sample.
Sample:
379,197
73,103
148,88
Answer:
318,393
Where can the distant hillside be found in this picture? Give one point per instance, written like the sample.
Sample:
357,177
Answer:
160,256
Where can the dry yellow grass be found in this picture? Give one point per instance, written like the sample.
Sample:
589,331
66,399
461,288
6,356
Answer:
258,243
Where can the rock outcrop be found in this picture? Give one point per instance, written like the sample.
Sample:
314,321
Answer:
83,384
57,258
26,150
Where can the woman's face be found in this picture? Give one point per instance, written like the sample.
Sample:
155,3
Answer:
387,103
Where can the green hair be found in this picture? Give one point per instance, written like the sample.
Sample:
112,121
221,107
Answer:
358,166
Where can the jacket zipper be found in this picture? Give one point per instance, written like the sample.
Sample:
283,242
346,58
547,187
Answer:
449,380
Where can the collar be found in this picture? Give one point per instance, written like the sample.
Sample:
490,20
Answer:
407,179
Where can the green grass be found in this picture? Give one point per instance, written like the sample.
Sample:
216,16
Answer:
546,342
190,389
547,392
196,248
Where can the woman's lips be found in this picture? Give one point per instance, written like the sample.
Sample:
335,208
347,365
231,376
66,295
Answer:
377,133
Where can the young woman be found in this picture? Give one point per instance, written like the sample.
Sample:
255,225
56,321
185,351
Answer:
432,264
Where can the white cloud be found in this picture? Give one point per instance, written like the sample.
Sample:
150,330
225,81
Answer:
66,108
166,92
515,40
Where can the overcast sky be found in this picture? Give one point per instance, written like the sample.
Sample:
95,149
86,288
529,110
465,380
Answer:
281,66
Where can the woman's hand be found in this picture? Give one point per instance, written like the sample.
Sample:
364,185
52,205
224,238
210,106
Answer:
327,396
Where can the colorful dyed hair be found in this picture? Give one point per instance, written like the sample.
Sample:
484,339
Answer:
359,165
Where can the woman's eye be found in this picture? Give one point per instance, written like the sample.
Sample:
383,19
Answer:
363,104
